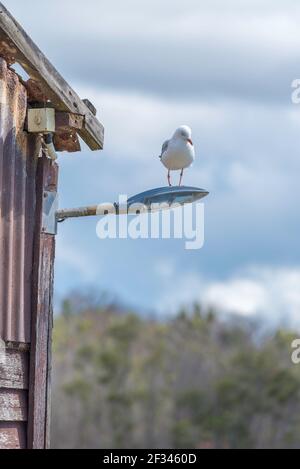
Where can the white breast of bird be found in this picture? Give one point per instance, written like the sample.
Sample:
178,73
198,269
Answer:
180,152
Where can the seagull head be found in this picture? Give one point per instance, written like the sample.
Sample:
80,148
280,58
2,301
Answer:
184,132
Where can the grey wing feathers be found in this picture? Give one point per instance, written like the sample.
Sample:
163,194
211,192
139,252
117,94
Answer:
164,148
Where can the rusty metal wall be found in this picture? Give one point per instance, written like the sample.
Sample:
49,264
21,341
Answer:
18,152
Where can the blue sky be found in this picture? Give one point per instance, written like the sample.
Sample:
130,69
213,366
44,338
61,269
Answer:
225,69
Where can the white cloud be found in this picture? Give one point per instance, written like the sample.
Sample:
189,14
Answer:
238,48
239,149
243,296
138,124
251,20
271,294
234,64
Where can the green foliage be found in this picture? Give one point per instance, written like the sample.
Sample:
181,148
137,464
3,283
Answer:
121,381
78,388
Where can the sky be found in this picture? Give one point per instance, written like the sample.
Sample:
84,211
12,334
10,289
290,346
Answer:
225,69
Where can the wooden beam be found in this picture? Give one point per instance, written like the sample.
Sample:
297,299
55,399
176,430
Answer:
66,141
20,46
12,435
13,405
66,121
90,105
42,314
34,91
66,126
14,369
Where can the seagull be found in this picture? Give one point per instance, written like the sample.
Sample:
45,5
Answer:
178,153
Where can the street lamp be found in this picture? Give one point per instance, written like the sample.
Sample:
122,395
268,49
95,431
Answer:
148,201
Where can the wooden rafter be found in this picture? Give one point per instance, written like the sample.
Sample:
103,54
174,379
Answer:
17,46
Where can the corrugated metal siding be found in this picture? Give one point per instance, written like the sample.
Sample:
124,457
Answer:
17,201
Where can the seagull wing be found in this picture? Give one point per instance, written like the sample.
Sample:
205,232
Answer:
164,148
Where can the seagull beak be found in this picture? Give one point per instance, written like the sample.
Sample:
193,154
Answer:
190,141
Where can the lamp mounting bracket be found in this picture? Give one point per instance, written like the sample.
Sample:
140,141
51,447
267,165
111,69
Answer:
50,206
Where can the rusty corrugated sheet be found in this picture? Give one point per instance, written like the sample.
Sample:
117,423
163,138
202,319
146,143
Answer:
17,201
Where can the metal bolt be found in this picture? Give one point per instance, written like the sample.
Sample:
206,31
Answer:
37,120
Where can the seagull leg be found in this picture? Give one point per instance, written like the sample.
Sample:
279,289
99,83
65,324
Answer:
169,178
180,180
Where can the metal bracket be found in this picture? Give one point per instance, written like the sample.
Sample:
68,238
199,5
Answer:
50,206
